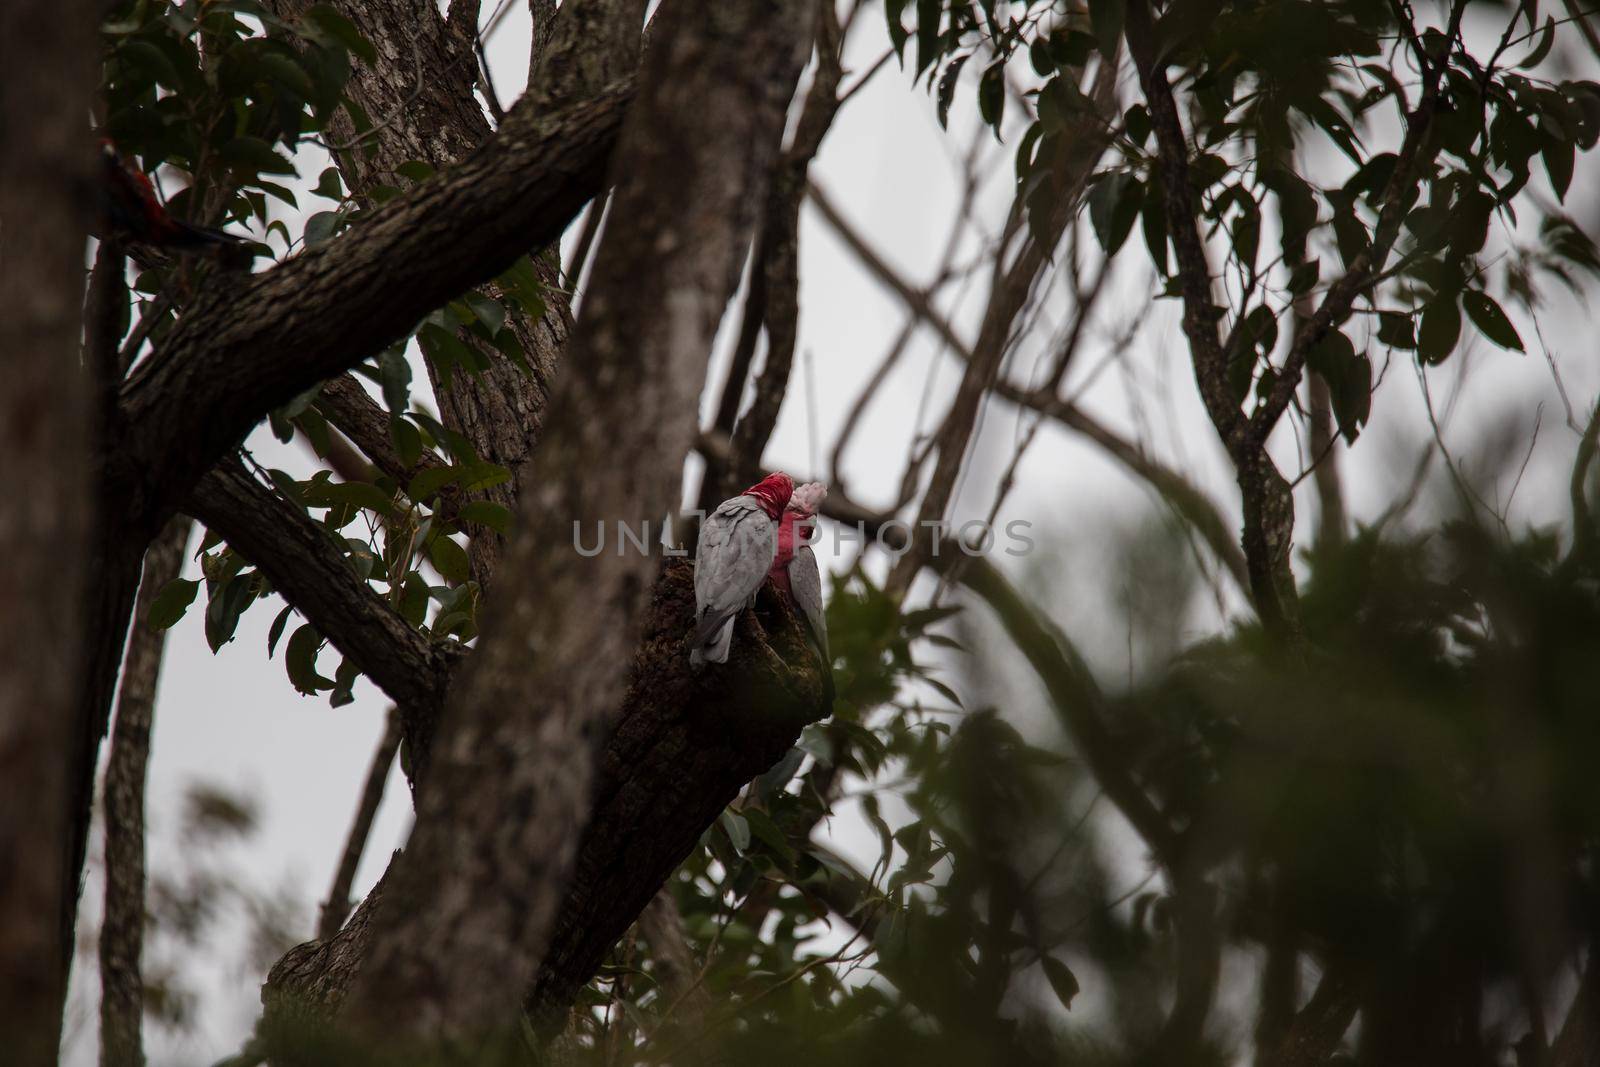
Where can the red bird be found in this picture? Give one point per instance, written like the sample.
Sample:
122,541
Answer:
738,542
133,212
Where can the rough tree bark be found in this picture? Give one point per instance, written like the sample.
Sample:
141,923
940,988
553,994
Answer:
684,744
475,895
122,927
421,88
48,53
238,354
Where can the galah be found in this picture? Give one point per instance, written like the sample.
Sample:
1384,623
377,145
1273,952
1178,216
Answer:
133,212
794,568
738,542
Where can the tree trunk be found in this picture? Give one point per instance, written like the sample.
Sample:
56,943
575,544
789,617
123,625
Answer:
48,51
685,743
499,820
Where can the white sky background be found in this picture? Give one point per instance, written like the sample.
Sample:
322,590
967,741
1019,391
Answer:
233,719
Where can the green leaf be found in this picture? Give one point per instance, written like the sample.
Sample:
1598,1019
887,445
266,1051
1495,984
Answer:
1541,49
321,227
1153,218
329,185
1441,328
255,156
155,64
344,680
487,513
1062,980
171,603
395,371
288,73
737,828
426,485
450,559
1488,317
1304,277
407,440
766,831
483,475
1397,329
275,631
416,170
300,661
1113,207
992,95
356,494
1352,397
930,13
947,88
414,599
1557,151
488,311
222,613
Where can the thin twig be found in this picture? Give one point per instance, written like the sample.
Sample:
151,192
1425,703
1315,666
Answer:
337,907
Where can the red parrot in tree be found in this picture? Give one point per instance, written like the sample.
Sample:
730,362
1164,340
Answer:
738,542
794,568
132,211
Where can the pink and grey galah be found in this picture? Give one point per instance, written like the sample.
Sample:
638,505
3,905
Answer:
794,568
738,543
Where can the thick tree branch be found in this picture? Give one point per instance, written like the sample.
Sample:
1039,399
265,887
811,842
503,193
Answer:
683,746
1268,502
238,354
305,565
500,411
478,890
122,927
1200,313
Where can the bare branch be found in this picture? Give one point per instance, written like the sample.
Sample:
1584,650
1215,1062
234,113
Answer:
916,299
1198,509
1070,174
122,926
337,907
779,254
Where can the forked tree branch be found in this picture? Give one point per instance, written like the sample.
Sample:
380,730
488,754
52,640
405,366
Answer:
240,353
476,894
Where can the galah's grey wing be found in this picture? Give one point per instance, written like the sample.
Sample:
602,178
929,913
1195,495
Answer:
737,545
805,584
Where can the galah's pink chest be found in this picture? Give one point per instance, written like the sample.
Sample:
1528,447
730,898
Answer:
788,531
